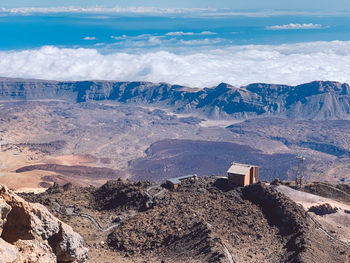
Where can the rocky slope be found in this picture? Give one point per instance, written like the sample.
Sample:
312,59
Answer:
316,100
204,220
30,233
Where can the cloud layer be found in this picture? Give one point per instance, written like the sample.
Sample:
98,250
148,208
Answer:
181,33
89,38
237,65
102,9
145,10
295,27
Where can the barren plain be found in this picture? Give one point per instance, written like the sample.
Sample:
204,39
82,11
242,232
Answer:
42,142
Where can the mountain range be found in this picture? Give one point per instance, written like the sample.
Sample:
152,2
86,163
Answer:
318,100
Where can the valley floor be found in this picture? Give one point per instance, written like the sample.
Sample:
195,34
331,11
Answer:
66,142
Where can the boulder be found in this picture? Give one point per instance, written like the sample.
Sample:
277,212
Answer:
323,209
68,245
4,211
38,235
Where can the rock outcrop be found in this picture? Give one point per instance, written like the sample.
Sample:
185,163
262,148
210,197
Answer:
30,233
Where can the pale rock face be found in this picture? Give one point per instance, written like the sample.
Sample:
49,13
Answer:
35,251
30,233
70,247
4,211
43,222
8,252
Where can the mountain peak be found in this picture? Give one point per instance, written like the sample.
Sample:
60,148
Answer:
223,85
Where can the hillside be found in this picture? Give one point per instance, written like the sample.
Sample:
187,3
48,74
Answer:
203,221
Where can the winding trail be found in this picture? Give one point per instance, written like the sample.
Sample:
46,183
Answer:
228,254
151,197
96,223
318,225
149,203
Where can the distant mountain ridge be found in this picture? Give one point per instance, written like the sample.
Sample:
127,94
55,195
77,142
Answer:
318,100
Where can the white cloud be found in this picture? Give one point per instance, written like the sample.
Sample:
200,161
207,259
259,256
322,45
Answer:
100,44
119,37
271,13
181,33
238,65
139,41
201,42
165,11
138,37
89,38
102,9
142,10
295,27
207,33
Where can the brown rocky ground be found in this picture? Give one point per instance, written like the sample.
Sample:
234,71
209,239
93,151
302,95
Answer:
202,221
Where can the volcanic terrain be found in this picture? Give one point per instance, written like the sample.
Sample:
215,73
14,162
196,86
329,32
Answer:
204,220
90,132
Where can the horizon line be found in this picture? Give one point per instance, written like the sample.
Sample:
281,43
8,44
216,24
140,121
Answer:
149,10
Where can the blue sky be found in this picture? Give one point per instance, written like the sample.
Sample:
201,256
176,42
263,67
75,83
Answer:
301,41
325,5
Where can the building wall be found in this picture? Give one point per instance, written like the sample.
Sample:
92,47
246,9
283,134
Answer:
247,179
256,174
171,185
238,179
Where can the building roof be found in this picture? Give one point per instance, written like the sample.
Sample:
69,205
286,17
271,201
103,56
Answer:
177,180
238,168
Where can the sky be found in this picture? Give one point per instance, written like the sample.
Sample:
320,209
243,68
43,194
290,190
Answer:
270,41
324,5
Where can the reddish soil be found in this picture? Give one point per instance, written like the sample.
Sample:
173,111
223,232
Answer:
73,173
